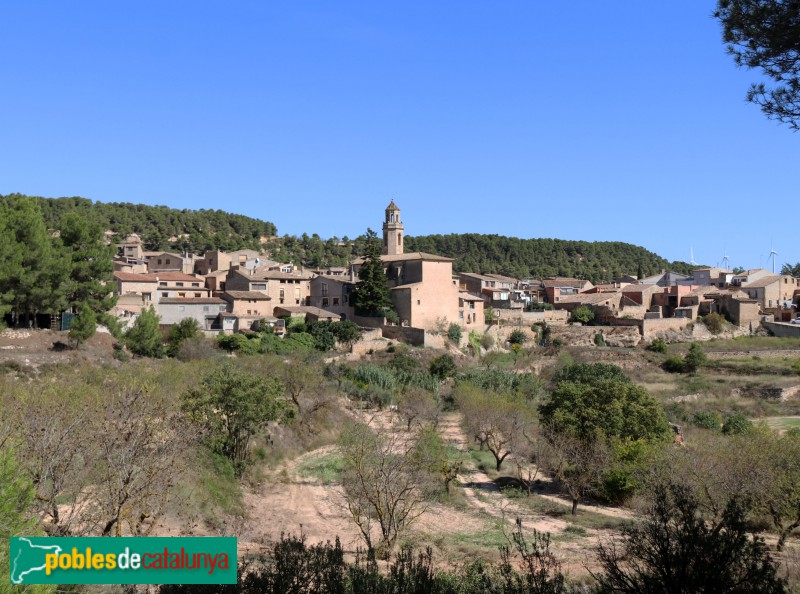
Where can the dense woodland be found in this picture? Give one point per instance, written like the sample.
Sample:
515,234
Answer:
199,230
206,229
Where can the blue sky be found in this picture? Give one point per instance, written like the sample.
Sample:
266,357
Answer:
620,121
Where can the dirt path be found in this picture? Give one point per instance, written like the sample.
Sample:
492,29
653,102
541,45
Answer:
486,495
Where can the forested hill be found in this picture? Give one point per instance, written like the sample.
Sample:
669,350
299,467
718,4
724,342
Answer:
161,227
597,261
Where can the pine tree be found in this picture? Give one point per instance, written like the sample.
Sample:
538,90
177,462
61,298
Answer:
371,296
33,265
83,326
144,338
91,264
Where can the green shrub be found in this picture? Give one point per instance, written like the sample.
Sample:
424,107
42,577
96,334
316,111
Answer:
83,326
695,358
583,314
673,364
487,342
144,337
707,420
443,367
737,424
454,333
714,322
186,329
599,339
517,336
658,346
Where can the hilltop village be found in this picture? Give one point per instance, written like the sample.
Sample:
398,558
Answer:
228,292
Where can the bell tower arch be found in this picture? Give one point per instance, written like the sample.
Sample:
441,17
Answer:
393,231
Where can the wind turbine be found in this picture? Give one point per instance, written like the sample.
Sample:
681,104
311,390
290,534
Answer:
772,254
725,260
691,261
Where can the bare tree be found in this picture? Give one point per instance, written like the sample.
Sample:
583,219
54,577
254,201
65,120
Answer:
577,464
140,440
55,448
380,485
416,404
498,421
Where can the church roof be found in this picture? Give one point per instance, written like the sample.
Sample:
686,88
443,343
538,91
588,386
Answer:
392,206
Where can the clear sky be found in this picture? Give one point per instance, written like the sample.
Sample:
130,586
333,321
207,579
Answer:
620,120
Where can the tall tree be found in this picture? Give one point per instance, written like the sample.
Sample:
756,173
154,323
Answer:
91,262
32,267
765,34
371,296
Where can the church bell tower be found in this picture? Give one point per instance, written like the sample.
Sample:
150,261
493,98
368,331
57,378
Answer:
392,231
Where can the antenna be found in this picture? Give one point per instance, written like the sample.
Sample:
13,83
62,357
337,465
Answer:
691,261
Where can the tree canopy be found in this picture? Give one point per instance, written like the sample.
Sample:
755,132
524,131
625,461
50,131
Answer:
765,34
599,400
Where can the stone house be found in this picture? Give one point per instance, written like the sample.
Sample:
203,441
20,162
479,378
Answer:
773,290
248,303
205,310
169,262
749,276
283,287
214,260
470,309
556,288
156,286
332,293
718,277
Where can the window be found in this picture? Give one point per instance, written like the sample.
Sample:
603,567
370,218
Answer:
282,295
195,284
178,284
198,294
162,284
461,315
324,289
181,294
336,301
167,260
258,286
159,260
419,302
324,302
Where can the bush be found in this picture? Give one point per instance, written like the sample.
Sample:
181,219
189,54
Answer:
737,424
583,314
695,358
517,336
658,346
83,326
186,329
599,339
454,333
707,420
443,367
673,364
487,342
714,322
144,337
392,317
